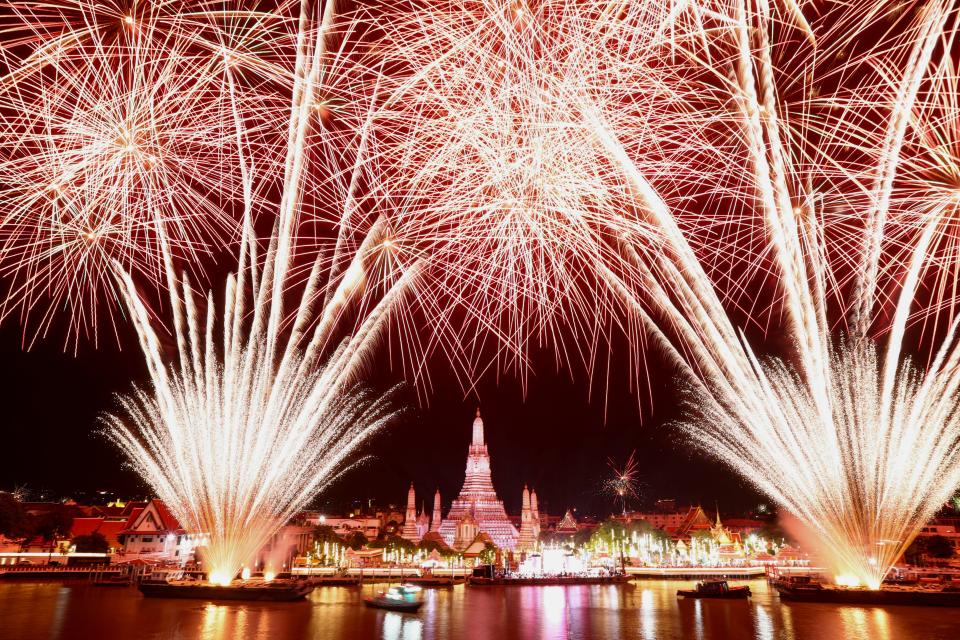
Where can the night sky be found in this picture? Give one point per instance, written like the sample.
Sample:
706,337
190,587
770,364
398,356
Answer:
557,439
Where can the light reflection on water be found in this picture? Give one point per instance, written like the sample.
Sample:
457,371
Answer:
648,610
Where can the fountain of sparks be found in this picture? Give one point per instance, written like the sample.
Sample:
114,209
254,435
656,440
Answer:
259,409
850,436
847,434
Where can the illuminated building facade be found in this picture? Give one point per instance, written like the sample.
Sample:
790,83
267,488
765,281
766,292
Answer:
478,502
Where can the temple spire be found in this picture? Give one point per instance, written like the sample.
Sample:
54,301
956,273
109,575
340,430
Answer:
437,517
410,521
478,429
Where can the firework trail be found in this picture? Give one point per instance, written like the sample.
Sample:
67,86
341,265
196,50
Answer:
260,408
490,173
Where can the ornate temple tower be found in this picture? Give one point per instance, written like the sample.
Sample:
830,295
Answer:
479,499
437,514
527,541
535,515
423,523
410,521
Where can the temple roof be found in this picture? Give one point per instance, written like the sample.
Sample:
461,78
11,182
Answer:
159,515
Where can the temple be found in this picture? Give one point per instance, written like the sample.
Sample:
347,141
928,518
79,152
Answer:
477,508
437,517
529,522
410,528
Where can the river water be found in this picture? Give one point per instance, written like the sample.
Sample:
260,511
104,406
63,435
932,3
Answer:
647,609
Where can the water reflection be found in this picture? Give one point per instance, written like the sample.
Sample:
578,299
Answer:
866,623
214,622
398,626
553,604
763,624
648,615
645,610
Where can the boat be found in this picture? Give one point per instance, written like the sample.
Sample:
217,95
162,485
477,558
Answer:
915,596
405,598
279,590
716,589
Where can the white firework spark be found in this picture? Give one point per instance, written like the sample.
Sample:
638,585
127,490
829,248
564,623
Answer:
259,410
593,92
112,124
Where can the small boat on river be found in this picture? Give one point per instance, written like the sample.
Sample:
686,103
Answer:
716,589
406,598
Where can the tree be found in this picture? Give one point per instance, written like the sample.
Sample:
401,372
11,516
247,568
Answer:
430,545
939,547
581,537
91,543
51,525
772,532
393,542
913,553
13,518
325,533
356,540
489,553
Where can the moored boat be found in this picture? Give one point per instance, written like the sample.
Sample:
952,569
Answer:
923,597
405,598
274,591
717,589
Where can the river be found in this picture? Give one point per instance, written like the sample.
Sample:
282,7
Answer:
647,610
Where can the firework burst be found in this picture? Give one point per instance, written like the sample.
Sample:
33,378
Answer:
111,127
623,485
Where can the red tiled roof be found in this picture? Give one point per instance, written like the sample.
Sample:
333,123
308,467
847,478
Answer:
128,509
84,526
742,523
132,518
109,529
167,521
167,518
